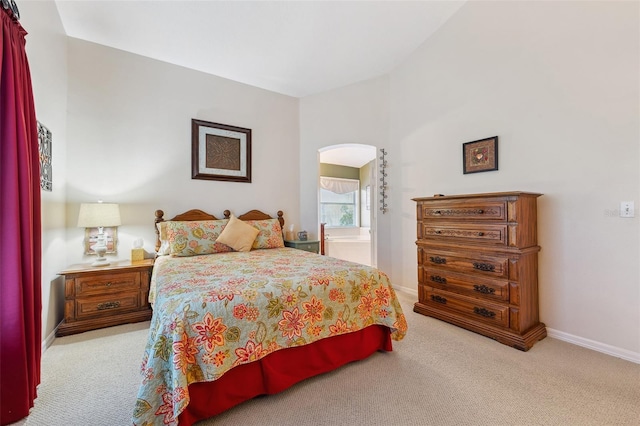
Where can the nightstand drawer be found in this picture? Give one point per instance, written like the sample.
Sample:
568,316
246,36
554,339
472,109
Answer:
107,283
312,246
92,306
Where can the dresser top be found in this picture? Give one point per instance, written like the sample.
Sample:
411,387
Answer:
485,195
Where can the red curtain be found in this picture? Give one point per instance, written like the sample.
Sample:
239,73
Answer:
20,229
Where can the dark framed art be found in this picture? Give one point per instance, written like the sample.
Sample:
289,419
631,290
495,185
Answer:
220,152
480,155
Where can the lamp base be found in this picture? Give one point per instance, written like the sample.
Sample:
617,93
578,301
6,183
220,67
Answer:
101,262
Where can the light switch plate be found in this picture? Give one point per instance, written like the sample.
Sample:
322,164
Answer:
627,209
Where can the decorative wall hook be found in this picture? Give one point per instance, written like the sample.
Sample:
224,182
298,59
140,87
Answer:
383,181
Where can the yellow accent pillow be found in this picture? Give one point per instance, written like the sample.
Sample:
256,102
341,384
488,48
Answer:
238,235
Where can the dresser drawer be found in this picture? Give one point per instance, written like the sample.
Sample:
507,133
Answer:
98,305
467,284
463,234
484,266
479,310
469,211
107,283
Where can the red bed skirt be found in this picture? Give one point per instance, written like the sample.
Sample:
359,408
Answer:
280,370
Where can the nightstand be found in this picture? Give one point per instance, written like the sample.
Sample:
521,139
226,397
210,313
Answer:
312,246
103,296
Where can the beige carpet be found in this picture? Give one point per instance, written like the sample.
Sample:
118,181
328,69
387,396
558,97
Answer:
438,375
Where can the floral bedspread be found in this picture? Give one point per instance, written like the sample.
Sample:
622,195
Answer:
214,312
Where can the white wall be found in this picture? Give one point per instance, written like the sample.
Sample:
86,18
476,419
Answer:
47,54
129,131
558,83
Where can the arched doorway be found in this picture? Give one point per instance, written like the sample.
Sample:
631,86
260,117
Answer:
347,199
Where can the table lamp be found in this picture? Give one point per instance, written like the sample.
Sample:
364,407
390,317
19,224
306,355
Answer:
98,215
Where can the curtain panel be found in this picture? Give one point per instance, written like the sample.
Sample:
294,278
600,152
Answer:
20,229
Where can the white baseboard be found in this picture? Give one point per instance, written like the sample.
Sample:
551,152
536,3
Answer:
596,346
569,338
50,338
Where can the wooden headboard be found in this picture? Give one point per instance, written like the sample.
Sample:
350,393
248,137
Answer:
196,214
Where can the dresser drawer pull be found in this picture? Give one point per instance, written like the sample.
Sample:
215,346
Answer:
437,231
438,260
484,266
479,211
480,234
438,279
109,284
438,299
108,305
484,312
484,289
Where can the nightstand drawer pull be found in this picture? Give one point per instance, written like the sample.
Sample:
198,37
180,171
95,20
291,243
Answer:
484,266
109,284
484,312
438,299
438,279
438,260
108,305
484,289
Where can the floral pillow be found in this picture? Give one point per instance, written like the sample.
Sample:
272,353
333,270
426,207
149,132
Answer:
190,238
270,235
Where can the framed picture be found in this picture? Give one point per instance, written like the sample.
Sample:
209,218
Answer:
91,237
480,155
220,152
44,152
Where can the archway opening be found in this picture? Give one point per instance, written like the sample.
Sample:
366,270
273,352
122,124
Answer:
346,194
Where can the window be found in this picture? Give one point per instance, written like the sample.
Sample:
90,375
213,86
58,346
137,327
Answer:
339,202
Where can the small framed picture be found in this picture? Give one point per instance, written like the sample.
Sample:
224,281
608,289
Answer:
480,155
91,237
220,152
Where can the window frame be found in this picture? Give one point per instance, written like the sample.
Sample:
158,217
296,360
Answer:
356,202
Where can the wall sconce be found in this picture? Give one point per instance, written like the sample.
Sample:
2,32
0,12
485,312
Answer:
99,215
383,181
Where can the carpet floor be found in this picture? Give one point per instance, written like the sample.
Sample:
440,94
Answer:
438,375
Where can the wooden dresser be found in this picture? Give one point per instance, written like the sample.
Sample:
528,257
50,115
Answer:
478,264
102,296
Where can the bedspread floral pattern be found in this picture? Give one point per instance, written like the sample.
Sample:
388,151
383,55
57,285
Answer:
253,304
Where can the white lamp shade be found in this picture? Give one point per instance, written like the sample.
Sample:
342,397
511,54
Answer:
95,215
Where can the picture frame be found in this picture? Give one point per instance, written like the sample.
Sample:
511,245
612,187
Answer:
480,156
91,237
220,152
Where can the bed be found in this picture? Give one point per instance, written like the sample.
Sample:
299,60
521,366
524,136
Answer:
236,319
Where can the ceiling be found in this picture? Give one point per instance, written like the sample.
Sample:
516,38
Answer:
351,155
297,48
